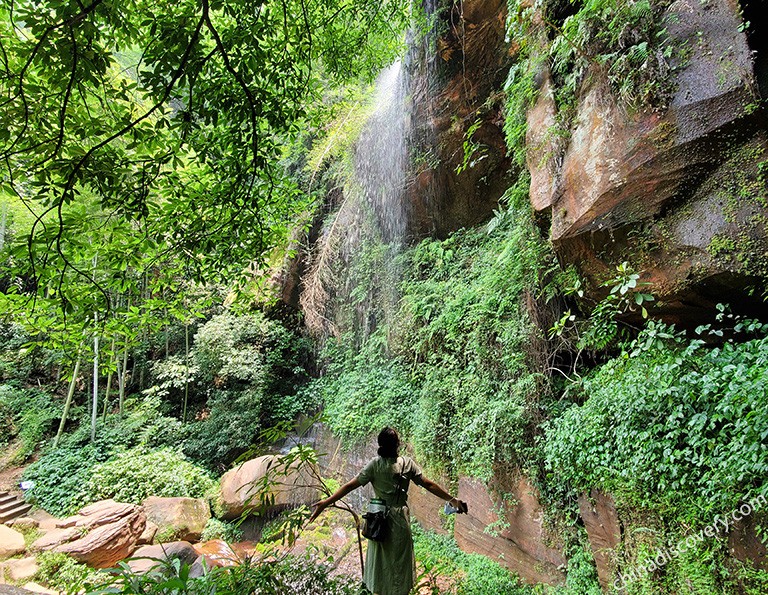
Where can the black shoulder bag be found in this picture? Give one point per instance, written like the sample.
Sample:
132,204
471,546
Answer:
375,526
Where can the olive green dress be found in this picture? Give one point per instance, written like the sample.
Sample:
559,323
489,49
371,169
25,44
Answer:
389,564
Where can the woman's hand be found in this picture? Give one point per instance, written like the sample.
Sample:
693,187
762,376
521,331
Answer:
317,508
321,505
460,504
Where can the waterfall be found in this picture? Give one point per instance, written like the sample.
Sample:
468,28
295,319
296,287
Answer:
355,259
381,155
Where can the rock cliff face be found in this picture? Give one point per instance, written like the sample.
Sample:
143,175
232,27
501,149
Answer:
456,85
679,194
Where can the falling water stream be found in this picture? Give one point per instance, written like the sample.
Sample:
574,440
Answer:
381,155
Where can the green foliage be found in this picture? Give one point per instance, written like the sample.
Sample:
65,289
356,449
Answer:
62,474
452,369
581,578
627,40
467,334
134,475
702,568
623,42
230,426
752,580
276,576
15,360
520,87
64,573
670,424
30,414
169,117
601,328
217,529
473,151
364,391
249,349
252,370
469,574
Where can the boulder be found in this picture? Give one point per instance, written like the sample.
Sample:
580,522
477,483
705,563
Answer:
11,590
148,536
67,523
19,569
287,486
11,542
101,534
35,588
217,553
148,557
177,519
23,522
55,538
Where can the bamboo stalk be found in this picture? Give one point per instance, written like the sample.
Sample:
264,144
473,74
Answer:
68,403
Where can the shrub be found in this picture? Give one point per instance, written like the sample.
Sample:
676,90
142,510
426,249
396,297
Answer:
231,350
217,529
231,425
8,429
252,372
60,571
670,422
287,574
581,578
31,414
60,476
15,361
364,392
471,574
134,475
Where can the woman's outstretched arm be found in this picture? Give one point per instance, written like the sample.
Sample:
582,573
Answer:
438,491
321,505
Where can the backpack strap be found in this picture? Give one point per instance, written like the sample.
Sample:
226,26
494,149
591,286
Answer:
401,484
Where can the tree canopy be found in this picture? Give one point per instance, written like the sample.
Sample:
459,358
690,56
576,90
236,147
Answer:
141,140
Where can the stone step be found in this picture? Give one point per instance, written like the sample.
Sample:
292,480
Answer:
15,513
8,504
12,507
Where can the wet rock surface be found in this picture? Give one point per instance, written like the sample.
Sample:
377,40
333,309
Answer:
454,90
601,521
520,542
148,557
673,191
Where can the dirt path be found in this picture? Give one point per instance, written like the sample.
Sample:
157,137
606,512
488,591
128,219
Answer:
10,474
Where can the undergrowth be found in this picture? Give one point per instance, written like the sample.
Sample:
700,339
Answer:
671,425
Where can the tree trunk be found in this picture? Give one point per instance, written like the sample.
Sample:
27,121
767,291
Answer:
109,382
186,373
121,373
3,219
95,402
68,402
